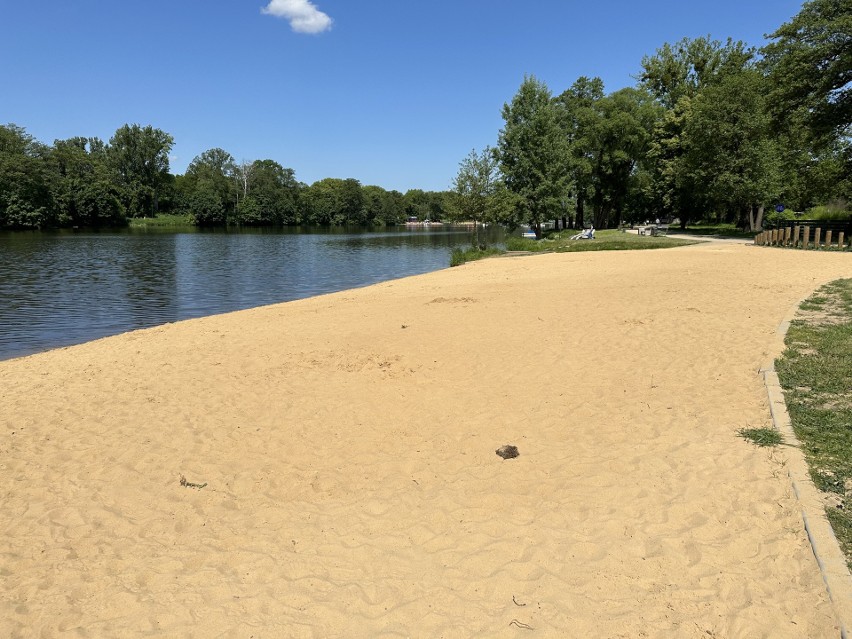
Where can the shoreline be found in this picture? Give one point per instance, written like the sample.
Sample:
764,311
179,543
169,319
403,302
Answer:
347,443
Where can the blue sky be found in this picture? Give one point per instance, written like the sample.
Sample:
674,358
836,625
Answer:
390,92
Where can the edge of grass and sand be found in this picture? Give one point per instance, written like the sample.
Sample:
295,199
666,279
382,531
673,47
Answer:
808,380
561,242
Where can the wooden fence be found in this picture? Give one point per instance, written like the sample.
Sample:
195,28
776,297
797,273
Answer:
804,237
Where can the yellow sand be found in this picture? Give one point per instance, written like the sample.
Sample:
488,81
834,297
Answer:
347,443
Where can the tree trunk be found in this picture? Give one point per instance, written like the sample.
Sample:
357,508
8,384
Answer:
564,222
755,219
556,224
538,230
581,205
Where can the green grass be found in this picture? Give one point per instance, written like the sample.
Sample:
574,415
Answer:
561,242
834,211
460,256
816,374
164,220
762,436
718,230
612,240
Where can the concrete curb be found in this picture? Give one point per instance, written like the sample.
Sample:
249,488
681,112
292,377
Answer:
831,560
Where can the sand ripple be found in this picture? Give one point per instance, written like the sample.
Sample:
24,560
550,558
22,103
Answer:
352,490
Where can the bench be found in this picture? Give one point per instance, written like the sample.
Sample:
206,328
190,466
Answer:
662,230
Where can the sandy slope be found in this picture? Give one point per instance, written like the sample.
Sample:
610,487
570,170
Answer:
347,443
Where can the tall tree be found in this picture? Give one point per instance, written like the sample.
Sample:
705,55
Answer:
681,70
580,118
730,148
272,195
622,138
334,201
476,190
382,207
84,194
675,75
534,155
139,157
209,187
810,61
26,200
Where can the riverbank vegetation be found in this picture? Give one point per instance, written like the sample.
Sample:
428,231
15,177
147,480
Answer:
86,182
715,132
816,374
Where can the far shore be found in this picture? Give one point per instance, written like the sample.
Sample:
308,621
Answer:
327,467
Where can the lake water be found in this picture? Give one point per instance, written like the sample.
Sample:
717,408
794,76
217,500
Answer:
58,289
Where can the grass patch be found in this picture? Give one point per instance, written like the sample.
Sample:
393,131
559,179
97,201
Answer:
460,256
164,220
561,242
816,374
715,230
611,240
761,436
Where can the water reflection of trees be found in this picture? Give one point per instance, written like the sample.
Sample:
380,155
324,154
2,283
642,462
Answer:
59,289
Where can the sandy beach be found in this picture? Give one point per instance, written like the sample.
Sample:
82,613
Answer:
346,448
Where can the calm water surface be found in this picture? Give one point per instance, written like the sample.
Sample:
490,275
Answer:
58,289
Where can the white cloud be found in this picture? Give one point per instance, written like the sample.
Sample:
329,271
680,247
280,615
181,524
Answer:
303,15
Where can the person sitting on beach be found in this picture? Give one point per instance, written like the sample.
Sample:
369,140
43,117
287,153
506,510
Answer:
588,234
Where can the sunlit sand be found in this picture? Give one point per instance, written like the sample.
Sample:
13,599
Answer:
346,448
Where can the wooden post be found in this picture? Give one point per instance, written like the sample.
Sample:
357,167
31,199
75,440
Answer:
806,240
828,238
787,232
796,231
817,234
840,239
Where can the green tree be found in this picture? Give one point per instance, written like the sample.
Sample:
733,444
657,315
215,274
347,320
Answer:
810,63
335,202
671,191
730,147
675,75
272,195
580,119
26,200
83,193
139,158
476,190
534,156
685,68
209,189
622,138
382,207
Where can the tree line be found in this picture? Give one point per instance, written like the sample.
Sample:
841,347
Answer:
86,182
715,131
